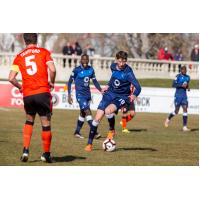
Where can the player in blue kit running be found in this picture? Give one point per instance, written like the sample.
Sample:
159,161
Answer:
181,83
81,76
117,94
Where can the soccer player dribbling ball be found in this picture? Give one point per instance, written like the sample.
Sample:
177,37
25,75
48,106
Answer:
117,94
35,65
81,76
181,83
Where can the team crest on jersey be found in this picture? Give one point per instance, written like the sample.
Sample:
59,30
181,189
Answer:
86,79
117,83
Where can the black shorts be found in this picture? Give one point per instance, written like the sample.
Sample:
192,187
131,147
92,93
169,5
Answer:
128,107
38,103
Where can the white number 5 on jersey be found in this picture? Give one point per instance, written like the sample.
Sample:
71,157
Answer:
28,62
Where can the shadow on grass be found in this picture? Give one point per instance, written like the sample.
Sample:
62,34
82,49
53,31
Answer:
137,129
136,149
68,158
194,129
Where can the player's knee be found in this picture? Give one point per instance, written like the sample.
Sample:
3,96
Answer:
132,113
108,111
82,113
87,112
109,116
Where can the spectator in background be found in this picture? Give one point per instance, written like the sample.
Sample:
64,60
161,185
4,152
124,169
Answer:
178,56
67,50
77,51
195,53
161,54
164,54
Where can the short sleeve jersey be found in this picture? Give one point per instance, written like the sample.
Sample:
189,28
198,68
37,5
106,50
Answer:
32,63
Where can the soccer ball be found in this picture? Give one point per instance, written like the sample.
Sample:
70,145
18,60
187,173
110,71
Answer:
109,145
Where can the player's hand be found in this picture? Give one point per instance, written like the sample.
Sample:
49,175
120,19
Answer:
70,100
104,90
185,85
132,97
51,85
21,90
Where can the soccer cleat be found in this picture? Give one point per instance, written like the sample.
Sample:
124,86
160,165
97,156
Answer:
77,135
125,130
167,122
24,157
97,136
46,157
111,134
185,128
88,148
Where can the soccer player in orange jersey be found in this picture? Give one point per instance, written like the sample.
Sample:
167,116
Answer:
35,64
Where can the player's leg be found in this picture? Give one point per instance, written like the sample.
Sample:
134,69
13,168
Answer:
99,115
44,109
28,126
177,102
93,129
109,112
89,119
80,123
185,116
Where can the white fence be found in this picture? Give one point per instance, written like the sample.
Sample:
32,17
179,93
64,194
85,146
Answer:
143,68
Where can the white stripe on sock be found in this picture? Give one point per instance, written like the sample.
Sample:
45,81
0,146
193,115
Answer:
82,119
89,117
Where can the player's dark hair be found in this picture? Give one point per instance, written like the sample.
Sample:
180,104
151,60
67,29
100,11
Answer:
84,55
30,38
122,54
183,66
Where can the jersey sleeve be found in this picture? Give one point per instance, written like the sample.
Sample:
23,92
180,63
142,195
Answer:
16,64
48,57
137,88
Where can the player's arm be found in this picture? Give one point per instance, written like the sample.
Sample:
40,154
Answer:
12,77
52,73
131,78
69,86
96,83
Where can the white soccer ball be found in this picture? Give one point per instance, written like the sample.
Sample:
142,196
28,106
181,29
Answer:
109,145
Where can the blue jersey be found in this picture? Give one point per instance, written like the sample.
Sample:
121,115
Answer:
121,80
81,77
178,84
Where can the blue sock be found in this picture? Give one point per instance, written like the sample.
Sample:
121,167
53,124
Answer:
185,119
79,125
93,131
111,122
90,123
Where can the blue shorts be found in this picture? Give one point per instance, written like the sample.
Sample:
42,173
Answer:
180,101
111,98
84,102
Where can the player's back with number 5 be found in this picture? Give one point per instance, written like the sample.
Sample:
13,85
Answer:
32,63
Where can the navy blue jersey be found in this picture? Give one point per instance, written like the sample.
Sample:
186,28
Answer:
81,77
178,84
121,80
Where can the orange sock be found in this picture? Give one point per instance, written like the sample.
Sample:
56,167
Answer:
27,132
129,117
46,140
123,122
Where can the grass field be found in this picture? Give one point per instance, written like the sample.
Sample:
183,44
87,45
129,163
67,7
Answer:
148,144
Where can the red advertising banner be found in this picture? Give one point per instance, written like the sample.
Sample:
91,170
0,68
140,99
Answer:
11,97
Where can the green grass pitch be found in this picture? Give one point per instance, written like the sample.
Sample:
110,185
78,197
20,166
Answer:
148,143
